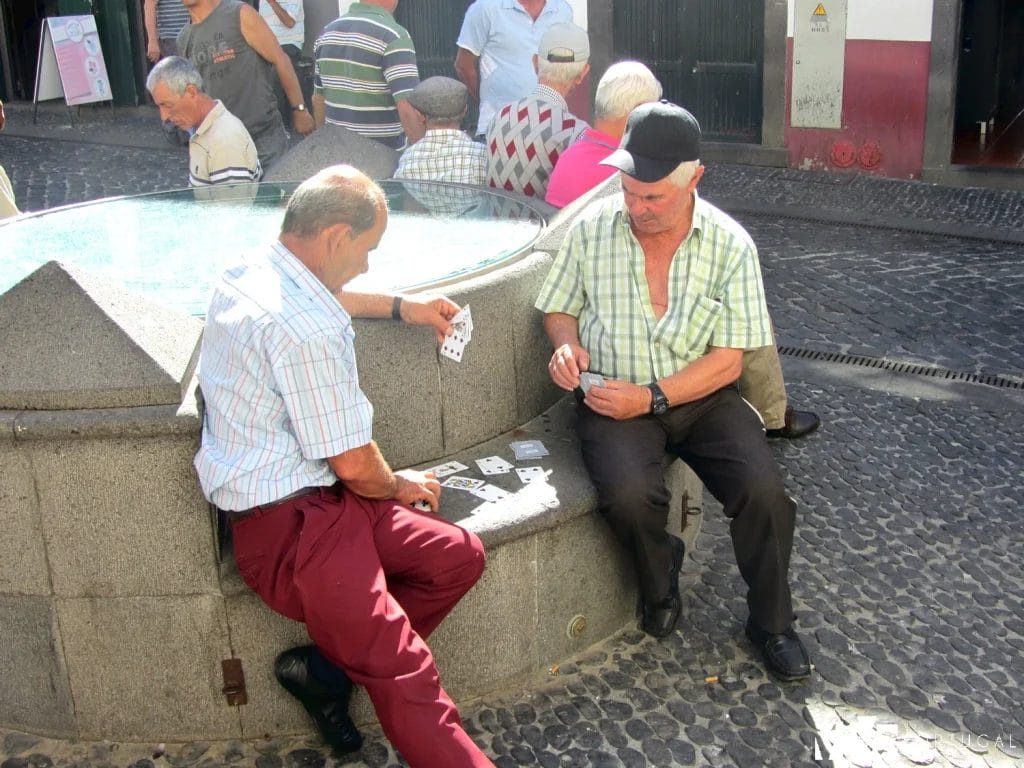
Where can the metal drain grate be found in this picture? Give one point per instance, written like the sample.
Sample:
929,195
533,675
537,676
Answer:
897,367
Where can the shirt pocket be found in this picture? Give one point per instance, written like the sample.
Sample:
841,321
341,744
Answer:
698,325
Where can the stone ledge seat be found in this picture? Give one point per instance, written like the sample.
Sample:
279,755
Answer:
556,580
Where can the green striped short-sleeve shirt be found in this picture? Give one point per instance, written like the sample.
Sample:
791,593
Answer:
716,295
365,62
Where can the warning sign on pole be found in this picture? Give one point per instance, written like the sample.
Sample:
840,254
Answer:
820,10
71,62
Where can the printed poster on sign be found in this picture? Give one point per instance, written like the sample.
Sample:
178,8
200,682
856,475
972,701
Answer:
71,62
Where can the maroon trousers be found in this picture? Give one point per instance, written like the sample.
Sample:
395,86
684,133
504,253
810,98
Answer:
371,580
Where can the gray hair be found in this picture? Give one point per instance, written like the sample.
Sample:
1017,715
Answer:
561,73
683,173
176,73
339,194
625,85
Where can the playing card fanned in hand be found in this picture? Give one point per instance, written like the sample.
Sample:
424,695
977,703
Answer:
462,332
588,380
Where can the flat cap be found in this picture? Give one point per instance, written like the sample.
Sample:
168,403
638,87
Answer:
440,97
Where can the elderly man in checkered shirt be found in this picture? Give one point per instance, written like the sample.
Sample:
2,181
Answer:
445,153
660,293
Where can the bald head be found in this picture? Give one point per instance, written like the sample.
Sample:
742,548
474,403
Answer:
339,194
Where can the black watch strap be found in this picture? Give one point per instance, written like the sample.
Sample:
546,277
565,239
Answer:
659,403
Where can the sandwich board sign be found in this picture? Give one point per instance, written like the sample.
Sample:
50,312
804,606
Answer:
71,62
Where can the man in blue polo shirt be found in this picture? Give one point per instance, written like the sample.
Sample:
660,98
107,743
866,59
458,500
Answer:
496,47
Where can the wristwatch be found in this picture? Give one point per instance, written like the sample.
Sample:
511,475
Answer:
299,108
659,403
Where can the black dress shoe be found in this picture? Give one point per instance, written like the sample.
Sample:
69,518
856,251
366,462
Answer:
798,424
326,703
784,654
660,618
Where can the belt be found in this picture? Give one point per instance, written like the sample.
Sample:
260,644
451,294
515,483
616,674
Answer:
262,509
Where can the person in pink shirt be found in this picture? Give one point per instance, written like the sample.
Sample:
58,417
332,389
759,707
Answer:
623,86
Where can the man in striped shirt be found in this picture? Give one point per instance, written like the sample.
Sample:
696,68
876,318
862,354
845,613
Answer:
660,292
220,150
365,71
163,19
323,528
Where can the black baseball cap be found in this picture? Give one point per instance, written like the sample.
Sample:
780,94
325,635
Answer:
659,136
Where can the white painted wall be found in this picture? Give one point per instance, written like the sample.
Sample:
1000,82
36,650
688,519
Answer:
579,12
907,20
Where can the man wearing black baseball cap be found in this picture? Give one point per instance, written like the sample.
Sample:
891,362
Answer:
660,293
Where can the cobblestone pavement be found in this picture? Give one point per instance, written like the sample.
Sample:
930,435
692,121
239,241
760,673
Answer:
907,573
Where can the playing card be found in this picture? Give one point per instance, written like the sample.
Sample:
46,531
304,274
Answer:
588,380
454,345
487,506
448,468
465,483
493,465
464,319
420,505
528,449
489,492
530,474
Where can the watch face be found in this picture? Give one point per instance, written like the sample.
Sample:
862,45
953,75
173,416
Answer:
659,403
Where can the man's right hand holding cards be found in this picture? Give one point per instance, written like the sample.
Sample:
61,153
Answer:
608,397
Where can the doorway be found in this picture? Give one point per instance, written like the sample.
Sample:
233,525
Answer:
989,108
708,55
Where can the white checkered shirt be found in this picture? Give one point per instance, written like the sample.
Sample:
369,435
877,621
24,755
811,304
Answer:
279,380
444,154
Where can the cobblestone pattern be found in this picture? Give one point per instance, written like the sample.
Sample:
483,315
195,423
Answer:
909,589
48,173
909,297
871,196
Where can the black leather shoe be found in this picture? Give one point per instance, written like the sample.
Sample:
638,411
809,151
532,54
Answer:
326,704
784,654
660,619
798,424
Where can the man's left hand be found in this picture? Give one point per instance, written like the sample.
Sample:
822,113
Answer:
436,311
302,122
619,400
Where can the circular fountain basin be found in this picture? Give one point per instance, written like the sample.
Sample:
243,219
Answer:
172,245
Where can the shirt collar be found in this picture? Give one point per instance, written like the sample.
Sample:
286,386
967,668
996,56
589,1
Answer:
700,214
211,117
289,266
366,9
546,93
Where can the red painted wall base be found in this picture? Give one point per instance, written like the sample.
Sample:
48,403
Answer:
885,96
